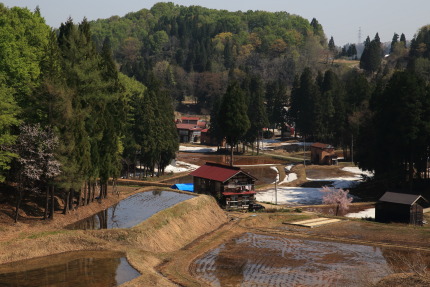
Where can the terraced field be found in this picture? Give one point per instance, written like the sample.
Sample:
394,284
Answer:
269,260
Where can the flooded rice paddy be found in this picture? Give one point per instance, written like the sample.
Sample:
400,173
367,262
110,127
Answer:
73,269
266,260
132,210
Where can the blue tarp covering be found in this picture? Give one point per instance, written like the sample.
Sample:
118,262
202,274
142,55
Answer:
184,186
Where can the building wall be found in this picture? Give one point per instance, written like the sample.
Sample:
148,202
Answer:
402,213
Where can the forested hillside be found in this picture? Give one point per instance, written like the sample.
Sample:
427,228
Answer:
192,49
69,119
82,102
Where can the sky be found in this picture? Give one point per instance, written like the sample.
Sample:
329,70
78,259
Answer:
339,18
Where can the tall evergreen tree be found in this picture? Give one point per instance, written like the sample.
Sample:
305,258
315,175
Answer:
256,112
233,117
394,41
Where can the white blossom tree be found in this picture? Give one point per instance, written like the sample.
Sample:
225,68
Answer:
337,197
36,164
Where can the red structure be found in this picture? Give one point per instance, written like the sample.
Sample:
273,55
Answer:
189,129
231,186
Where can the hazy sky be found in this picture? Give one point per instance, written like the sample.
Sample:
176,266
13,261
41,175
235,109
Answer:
340,19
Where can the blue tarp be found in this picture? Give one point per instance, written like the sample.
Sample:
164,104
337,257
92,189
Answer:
184,186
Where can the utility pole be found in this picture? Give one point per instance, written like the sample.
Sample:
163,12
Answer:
304,150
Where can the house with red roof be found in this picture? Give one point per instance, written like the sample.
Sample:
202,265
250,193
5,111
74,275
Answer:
231,186
189,129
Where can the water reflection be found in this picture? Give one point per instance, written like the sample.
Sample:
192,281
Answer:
132,210
265,260
89,269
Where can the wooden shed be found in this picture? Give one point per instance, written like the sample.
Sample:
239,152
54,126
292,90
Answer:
323,154
231,186
400,207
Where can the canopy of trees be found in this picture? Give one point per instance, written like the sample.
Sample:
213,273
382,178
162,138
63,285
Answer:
190,49
69,119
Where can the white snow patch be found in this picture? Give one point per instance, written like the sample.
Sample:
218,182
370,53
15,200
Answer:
367,213
180,166
358,171
292,195
289,177
277,174
197,149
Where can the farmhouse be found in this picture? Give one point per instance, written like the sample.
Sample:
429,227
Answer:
189,129
323,154
231,186
401,207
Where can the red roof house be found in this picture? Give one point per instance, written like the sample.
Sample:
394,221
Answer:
189,129
231,186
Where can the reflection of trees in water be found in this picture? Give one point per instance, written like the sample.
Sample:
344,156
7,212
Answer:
89,272
114,221
103,219
157,192
230,265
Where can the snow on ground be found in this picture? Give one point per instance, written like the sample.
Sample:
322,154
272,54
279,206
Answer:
289,177
277,174
180,166
367,213
197,149
358,171
346,182
267,144
292,195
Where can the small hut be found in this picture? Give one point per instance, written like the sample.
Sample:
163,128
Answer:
323,154
400,207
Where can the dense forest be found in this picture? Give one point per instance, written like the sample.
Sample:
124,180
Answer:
81,103
69,119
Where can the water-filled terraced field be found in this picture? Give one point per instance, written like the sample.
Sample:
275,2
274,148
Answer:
268,260
132,210
73,269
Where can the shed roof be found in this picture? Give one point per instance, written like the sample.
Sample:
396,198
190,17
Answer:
218,172
401,198
321,145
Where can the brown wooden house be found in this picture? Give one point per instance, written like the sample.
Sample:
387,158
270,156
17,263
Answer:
323,154
400,207
231,186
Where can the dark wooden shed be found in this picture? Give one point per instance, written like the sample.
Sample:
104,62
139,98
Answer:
400,207
231,186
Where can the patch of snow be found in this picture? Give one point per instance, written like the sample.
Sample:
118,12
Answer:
356,170
180,166
277,174
289,177
197,149
367,213
292,195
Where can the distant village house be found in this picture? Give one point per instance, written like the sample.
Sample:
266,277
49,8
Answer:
323,154
190,129
231,186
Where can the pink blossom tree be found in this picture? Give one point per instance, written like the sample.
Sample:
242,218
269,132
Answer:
338,197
